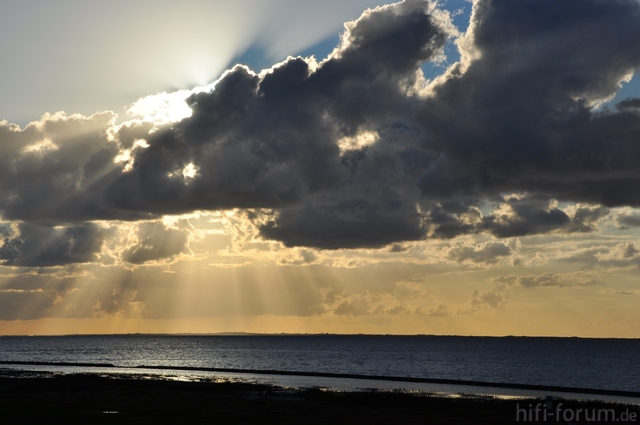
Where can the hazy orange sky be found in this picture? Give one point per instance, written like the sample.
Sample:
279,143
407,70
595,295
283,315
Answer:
405,173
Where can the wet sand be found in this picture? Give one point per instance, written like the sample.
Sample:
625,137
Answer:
44,397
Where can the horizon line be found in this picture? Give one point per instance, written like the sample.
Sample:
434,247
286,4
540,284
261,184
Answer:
308,334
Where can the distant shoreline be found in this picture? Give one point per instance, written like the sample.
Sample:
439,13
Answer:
240,334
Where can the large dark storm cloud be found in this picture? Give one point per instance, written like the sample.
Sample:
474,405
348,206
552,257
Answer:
354,152
273,141
521,116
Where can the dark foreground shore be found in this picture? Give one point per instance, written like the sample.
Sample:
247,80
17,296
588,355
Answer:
46,398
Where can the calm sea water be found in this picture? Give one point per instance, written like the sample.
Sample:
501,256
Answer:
610,364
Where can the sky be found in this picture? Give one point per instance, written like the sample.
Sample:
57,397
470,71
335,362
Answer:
452,168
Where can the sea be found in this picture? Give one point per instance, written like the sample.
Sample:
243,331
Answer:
469,365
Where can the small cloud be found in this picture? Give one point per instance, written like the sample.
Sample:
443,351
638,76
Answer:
397,248
396,310
354,307
298,257
628,221
231,265
548,280
439,311
484,253
491,299
157,242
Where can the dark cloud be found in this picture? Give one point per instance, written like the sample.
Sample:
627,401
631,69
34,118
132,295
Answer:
584,218
629,104
350,224
629,251
628,220
58,168
521,116
34,245
514,215
355,151
526,215
536,214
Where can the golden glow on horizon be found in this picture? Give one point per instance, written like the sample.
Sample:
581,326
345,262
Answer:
230,280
